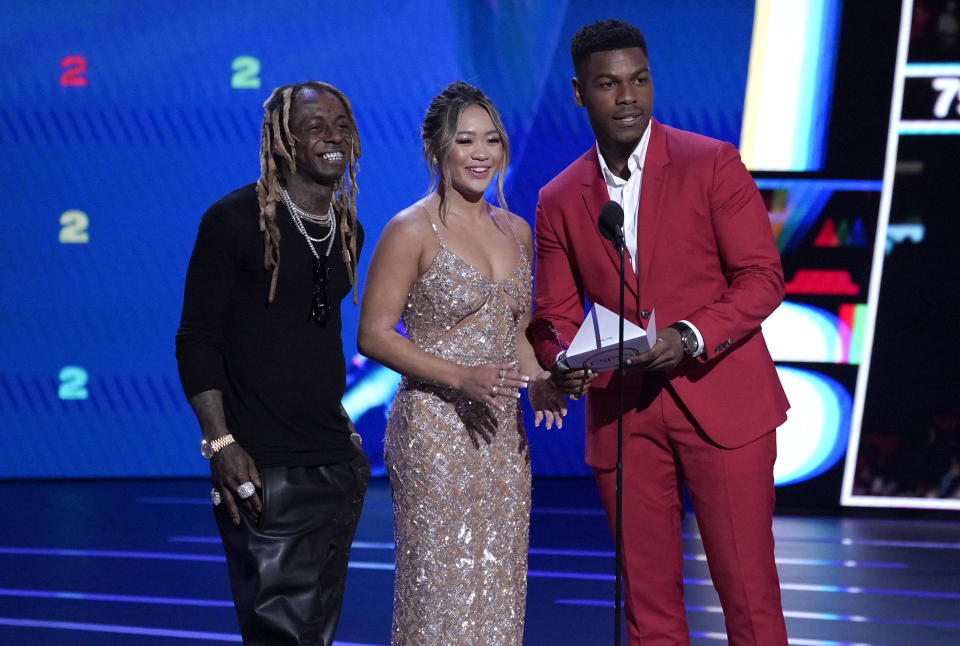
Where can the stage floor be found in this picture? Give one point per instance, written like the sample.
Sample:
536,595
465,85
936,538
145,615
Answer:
139,562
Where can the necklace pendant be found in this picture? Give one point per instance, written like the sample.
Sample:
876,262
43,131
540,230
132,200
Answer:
320,304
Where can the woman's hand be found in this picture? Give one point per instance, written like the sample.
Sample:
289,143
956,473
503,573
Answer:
547,401
491,381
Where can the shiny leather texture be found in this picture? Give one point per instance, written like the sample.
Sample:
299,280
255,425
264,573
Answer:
288,568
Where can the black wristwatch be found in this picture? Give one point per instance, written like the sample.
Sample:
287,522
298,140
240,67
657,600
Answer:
688,338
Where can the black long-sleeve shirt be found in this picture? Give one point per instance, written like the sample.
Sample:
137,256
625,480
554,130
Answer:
282,375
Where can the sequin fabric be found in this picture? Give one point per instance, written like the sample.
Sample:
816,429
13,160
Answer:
459,470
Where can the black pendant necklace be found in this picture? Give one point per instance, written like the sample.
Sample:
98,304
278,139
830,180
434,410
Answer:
320,310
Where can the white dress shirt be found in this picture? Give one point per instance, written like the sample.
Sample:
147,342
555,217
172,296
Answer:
626,193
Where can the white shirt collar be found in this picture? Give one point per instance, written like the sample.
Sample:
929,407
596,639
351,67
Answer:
634,161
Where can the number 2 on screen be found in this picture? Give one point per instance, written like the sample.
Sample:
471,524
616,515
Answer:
73,383
74,68
246,73
73,227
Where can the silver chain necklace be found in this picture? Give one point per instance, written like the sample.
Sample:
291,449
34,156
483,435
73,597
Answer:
298,215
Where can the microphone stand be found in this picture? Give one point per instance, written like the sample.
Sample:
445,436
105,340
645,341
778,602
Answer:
610,224
618,549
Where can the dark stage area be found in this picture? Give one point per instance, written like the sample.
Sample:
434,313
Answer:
95,563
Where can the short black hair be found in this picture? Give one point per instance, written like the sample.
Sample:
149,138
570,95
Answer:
603,36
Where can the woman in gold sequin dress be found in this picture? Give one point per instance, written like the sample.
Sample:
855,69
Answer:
456,271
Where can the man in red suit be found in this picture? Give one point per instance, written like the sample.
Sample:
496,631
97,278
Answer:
700,407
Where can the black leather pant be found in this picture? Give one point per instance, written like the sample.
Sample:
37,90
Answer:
288,569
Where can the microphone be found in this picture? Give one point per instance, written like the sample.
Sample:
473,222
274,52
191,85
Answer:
610,224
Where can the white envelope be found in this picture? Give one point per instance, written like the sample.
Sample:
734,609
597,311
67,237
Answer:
595,344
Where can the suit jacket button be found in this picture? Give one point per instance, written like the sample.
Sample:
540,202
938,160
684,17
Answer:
644,314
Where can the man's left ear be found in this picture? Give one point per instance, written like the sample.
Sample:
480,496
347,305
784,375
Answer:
577,91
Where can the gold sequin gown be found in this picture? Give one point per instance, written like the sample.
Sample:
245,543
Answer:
461,504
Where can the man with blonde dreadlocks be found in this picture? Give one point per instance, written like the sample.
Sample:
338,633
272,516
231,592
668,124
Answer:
261,362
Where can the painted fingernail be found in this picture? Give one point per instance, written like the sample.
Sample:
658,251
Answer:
517,395
525,377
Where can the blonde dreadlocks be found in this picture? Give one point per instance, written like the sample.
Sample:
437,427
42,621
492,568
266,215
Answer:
277,144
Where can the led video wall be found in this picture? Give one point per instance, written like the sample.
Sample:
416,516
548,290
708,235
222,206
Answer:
904,448
853,206
120,127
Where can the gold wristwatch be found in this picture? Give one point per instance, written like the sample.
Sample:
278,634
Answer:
208,449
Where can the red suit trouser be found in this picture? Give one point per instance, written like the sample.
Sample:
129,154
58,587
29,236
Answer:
733,498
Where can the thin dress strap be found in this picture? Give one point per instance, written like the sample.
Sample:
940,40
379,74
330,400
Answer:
523,251
437,233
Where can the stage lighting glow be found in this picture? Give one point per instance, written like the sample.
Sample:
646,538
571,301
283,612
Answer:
374,389
787,106
794,205
799,332
814,436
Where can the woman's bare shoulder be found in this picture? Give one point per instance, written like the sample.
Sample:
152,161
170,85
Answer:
413,222
519,225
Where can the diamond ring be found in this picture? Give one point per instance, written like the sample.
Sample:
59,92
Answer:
246,490
502,374
215,497
493,390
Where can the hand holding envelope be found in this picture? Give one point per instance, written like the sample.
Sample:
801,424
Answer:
595,345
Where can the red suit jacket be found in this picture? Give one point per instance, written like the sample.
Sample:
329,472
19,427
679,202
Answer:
706,254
